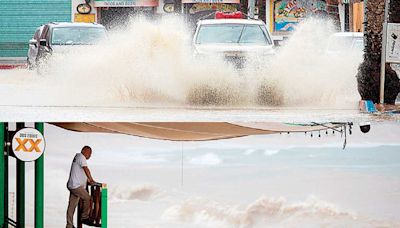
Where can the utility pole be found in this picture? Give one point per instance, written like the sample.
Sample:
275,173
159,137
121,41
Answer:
383,53
251,8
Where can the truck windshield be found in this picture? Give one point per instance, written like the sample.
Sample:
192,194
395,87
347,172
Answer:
77,35
231,33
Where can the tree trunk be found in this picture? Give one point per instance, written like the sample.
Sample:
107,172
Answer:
368,76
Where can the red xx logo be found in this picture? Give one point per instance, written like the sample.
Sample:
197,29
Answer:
34,145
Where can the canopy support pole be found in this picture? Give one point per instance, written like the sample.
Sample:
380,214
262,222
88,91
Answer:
20,194
39,185
3,220
20,179
104,210
6,138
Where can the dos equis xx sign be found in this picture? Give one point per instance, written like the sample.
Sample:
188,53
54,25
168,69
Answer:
28,144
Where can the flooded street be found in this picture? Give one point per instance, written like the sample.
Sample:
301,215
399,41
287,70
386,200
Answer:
152,65
126,113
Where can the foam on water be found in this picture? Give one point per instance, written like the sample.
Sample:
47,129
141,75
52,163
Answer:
270,152
267,212
249,152
152,63
142,192
206,159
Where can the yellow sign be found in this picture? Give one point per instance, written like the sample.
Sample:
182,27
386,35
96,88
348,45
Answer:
199,7
28,144
85,17
22,145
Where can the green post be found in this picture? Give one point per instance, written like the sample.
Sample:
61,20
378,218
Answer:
20,194
20,179
6,154
2,177
39,186
104,206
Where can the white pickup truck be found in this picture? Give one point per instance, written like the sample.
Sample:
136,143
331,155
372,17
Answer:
234,38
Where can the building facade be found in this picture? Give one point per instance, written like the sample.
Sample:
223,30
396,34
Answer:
282,16
20,18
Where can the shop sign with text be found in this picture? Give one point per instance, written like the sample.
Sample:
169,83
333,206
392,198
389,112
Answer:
393,43
116,3
200,7
28,144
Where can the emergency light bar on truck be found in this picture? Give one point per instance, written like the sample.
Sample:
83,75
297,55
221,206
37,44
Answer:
233,15
224,15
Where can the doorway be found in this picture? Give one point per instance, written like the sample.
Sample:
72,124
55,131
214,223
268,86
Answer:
119,17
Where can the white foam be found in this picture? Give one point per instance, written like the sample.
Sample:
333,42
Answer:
206,159
270,152
249,151
134,192
265,212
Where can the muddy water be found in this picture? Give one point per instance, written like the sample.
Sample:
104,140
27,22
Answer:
152,64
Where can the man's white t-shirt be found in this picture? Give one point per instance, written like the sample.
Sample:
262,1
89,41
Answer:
77,176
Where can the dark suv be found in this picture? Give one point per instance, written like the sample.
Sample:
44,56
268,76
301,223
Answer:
59,37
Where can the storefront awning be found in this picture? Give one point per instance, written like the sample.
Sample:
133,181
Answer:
193,131
125,3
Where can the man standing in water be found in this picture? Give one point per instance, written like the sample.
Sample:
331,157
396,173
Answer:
79,176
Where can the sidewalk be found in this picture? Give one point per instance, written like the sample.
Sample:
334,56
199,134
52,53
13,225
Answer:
390,109
12,63
369,107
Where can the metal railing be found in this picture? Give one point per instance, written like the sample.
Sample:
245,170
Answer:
98,205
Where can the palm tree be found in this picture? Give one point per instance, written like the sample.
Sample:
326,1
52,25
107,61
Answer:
368,76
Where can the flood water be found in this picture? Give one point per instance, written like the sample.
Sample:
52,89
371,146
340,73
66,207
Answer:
259,181
151,64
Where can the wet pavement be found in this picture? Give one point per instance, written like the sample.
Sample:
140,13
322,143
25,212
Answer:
225,114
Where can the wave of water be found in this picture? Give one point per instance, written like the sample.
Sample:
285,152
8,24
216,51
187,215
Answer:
268,212
152,63
142,192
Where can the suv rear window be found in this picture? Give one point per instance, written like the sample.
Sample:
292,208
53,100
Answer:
77,35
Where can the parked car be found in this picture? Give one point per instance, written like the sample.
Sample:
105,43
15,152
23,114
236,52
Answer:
343,42
33,47
59,37
234,38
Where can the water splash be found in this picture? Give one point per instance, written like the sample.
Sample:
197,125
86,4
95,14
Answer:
151,63
142,193
267,212
306,74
